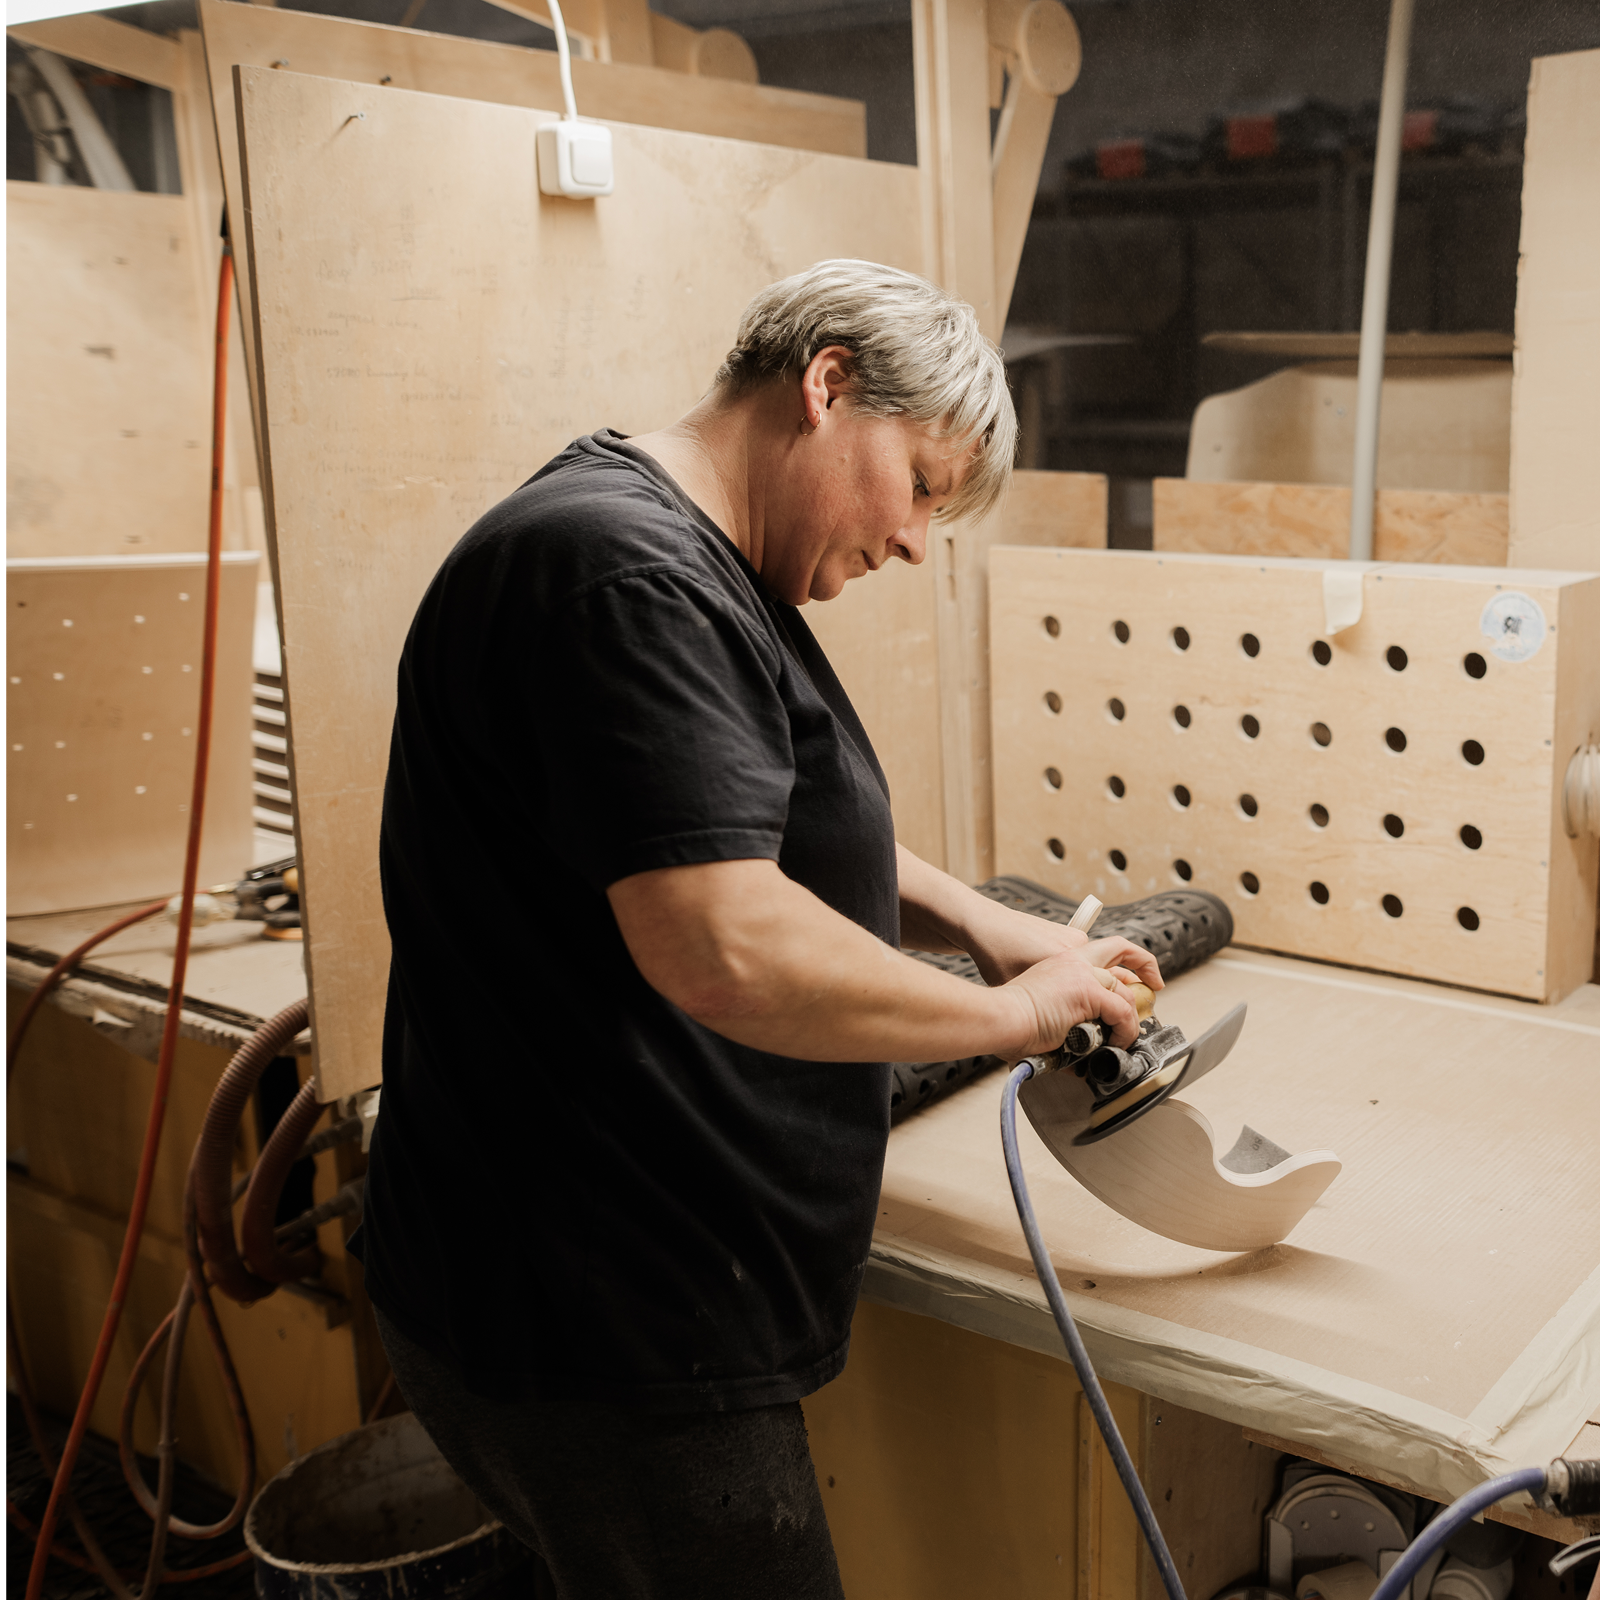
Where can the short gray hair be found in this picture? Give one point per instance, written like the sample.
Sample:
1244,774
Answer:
918,353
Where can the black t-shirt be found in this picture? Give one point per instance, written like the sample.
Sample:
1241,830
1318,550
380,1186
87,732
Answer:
575,1189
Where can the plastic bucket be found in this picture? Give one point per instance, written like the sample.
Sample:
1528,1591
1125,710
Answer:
377,1515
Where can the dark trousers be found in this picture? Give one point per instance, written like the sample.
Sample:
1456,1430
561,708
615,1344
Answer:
634,1505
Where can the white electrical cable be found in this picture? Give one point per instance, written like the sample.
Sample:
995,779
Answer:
564,54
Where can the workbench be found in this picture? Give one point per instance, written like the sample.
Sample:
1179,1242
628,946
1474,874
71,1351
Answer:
1433,1320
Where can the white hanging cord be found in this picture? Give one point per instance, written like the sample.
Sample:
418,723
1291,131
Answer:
564,53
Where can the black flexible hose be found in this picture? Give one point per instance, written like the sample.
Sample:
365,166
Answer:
1045,1268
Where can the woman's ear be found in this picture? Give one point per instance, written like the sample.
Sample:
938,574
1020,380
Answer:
829,374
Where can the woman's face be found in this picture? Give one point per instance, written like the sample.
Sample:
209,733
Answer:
858,491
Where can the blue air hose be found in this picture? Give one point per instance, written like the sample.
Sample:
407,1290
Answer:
1096,1396
1572,1486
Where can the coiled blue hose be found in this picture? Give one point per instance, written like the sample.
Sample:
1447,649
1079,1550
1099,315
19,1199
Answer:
1533,1480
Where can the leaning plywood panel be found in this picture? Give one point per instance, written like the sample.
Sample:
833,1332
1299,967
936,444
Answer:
430,331
1389,797
103,668
1311,519
404,58
107,370
1444,425
1555,415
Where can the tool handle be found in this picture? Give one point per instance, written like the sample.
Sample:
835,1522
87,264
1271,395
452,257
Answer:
1088,909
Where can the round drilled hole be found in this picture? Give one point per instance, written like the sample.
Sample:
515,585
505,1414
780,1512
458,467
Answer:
1052,702
1250,883
1120,632
1116,786
1052,626
1247,804
1397,658
1392,906
1249,727
1393,826
1180,715
1319,893
1395,738
1472,753
1322,734
1180,638
1319,815
1473,664
1180,797
1118,860
1183,870
1056,848
1468,918
1052,776
1250,645
1470,837
1115,709
1322,652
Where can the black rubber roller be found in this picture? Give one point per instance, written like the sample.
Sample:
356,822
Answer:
1180,929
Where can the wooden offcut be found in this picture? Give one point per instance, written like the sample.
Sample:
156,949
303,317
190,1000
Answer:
1233,740
103,660
1055,508
1442,425
407,390
1304,519
1555,416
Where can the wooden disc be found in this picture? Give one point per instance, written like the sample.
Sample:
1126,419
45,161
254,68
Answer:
1051,51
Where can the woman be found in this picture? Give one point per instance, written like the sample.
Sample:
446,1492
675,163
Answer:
640,873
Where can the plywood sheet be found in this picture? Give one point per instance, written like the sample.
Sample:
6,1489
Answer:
1274,780
1443,425
1055,508
103,668
108,430
411,377
405,58
1424,1317
1297,519
1555,416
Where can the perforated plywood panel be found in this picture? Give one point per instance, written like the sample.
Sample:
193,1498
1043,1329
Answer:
103,669
1388,797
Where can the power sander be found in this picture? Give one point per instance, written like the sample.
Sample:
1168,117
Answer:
1119,1085
1180,928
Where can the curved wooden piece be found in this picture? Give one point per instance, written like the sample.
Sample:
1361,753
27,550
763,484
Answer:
1163,1172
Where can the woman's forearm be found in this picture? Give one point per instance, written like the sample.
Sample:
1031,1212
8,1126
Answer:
759,959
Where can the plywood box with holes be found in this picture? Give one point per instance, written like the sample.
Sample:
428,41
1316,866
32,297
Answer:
1389,797
103,657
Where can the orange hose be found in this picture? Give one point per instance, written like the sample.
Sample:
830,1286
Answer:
180,961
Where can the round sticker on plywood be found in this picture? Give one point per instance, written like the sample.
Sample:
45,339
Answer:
1513,623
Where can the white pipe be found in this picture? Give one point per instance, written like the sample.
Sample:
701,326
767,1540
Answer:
100,156
564,57
1375,298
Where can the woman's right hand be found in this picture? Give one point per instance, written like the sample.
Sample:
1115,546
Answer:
1056,994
